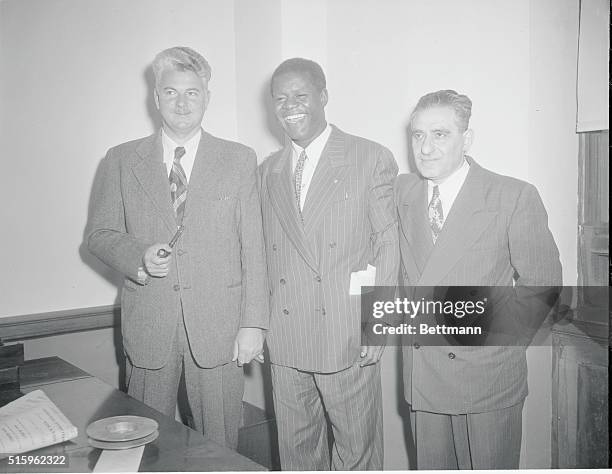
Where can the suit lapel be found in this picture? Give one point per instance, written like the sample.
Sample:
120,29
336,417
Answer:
414,226
204,176
466,222
282,198
331,170
151,173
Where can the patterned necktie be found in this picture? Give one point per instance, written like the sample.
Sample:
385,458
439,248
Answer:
178,185
297,179
436,215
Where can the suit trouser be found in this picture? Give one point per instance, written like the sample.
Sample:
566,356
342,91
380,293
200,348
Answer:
352,401
215,394
490,440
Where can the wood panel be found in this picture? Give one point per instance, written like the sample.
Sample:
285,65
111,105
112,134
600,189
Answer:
16,328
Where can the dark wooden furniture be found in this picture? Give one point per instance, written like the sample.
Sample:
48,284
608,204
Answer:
580,438
84,399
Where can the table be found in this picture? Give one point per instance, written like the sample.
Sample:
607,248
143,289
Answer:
83,399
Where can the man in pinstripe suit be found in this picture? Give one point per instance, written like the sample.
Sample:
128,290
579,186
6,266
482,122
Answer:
327,205
463,225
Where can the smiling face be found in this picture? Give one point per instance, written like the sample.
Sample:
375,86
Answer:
299,107
438,143
181,98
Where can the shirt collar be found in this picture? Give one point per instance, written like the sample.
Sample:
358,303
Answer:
190,145
455,180
315,148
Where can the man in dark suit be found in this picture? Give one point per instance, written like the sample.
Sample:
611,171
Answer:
330,226
204,303
463,225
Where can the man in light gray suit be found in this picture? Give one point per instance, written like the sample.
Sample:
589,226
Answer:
463,225
329,225
201,306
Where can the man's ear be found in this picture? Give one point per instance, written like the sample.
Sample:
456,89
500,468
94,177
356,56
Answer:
207,100
156,98
323,97
468,139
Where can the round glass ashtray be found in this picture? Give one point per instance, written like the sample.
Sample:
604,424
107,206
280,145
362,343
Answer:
121,428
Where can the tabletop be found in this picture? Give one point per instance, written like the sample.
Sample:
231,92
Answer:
85,399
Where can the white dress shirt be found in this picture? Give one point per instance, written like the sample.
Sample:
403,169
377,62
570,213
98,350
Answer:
191,148
313,153
449,188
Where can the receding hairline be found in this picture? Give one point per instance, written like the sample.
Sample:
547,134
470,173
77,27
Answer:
460,104
418,110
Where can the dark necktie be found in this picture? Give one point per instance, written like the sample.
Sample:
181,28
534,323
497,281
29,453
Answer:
297,179
436,215
178,185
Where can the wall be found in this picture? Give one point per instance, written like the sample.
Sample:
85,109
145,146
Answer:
75,85
65,107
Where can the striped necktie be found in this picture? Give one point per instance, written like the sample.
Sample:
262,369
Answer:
178,185
436,215
297,179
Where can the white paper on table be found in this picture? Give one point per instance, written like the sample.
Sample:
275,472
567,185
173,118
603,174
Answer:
31,422
361,278
121,460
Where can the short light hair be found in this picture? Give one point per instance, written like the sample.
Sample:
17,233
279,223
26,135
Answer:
460,103
180,58
301,66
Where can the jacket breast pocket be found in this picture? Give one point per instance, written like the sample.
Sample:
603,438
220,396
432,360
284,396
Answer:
221,212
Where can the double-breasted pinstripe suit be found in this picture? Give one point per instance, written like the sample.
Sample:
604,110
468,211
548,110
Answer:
314,339
495,233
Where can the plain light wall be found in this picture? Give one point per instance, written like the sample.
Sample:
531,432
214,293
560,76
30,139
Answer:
553,167
516,61
74,85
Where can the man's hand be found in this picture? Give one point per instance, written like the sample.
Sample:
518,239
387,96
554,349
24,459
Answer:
248,346
155,265
370,355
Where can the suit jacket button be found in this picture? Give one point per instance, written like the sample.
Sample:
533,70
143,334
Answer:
282,281
451,355
176,287
318,278
416,345
285,311
273,246
332,245
323,311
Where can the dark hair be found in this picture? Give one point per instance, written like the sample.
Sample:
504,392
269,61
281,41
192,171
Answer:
461,104
301,66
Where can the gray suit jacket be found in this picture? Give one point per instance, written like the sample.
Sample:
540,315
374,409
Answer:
218,272
348,222
496,231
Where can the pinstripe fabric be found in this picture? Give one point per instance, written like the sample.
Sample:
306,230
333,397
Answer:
497,434
349,222
496,232
353,403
